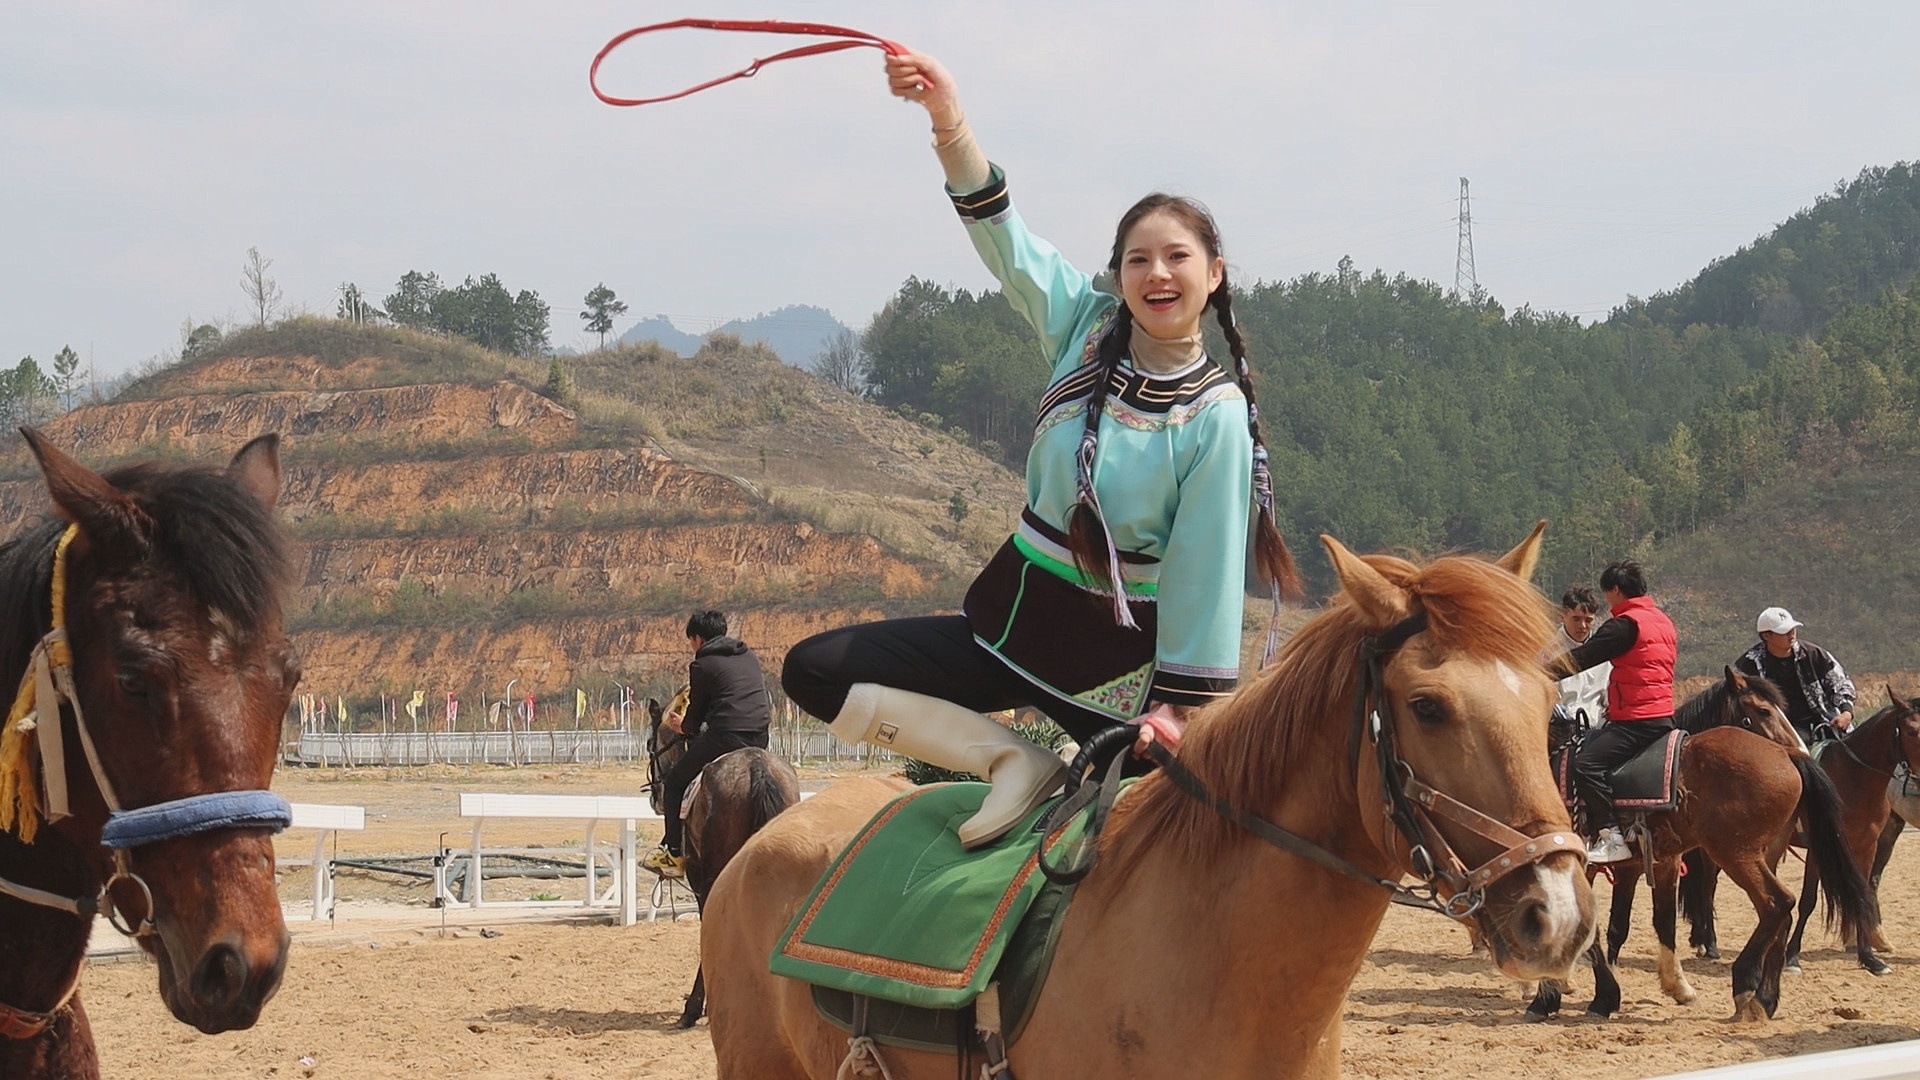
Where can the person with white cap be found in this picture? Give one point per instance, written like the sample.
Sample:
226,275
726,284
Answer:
1817,688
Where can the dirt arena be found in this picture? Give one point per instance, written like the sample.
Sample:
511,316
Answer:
571,999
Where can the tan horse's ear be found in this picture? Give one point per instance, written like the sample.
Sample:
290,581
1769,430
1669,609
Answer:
1736,682
1380,600
1520,562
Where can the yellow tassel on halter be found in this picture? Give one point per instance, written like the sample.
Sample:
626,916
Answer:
19,747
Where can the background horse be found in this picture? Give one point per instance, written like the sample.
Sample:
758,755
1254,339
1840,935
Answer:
1185,909
737,794
1753,703
1740,794
1861,765
171,600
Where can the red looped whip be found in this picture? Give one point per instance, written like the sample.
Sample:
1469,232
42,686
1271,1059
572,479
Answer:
851,39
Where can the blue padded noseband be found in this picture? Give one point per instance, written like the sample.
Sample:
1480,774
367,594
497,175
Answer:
196,814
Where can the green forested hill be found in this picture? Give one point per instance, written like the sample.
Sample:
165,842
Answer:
1838,252
1838,548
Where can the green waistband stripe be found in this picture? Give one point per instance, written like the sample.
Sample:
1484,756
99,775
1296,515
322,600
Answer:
1068,572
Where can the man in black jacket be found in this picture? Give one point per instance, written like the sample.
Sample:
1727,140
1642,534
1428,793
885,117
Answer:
1817,688
727,709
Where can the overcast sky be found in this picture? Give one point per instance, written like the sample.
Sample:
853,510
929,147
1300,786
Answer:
1613,149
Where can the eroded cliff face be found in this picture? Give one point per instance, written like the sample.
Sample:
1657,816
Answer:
593,480
206,423
780,561
524,488
464,501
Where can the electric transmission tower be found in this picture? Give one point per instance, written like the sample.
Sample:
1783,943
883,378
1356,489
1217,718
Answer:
1465,281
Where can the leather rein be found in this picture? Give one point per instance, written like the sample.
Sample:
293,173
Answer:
47,686
1899,751
1448,885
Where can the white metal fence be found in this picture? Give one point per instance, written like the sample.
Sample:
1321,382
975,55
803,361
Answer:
809,745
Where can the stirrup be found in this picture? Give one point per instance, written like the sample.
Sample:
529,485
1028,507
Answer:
665,863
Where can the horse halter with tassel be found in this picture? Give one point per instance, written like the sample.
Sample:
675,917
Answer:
33,742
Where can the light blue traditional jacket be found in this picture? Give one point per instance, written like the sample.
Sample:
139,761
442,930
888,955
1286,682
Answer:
1173,476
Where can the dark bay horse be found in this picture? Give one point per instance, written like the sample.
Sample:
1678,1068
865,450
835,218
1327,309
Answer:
1753,703
1861,766
737,794
138,786
1741,792
1195,947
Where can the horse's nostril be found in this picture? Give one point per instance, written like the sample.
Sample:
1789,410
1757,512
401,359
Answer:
1530,923
220,977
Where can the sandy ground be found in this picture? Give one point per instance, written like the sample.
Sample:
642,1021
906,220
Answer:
385,992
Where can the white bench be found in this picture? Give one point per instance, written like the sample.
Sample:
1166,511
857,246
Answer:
329,819
627,810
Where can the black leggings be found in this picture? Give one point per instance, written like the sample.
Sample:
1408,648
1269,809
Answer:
935,656
1604,751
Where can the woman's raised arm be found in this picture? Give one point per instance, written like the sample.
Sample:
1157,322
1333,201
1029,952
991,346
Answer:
917,77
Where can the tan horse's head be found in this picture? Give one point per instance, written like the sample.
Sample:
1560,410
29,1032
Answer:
1467,702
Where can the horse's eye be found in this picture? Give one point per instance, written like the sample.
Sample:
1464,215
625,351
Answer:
1427,710
132,685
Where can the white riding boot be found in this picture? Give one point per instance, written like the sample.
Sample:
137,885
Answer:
954,737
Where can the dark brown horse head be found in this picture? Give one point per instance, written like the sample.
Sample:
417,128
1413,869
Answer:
183,673
1907,723
1754,703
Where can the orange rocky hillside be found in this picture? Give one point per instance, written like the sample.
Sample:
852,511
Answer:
466,519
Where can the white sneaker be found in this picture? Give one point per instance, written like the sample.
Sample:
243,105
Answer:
1609,847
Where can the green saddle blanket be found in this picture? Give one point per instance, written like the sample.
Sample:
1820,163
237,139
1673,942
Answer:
905,914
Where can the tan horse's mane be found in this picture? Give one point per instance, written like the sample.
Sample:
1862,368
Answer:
1289,727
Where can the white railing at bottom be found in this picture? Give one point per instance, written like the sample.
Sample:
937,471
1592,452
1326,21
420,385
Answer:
1883,1062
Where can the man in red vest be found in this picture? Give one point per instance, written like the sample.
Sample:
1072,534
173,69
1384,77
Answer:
1639,639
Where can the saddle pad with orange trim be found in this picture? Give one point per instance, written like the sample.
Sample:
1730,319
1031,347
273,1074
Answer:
906,914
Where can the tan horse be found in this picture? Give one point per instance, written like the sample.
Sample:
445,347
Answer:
1193,949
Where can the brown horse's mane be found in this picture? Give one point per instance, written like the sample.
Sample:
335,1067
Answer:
1289,727
224,543
1714,706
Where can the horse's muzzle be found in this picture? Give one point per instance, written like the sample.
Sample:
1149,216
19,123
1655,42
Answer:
225,988
1539,922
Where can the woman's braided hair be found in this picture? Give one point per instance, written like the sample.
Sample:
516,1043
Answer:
1087,535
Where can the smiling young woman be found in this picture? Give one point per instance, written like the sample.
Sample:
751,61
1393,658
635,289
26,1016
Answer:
1119,598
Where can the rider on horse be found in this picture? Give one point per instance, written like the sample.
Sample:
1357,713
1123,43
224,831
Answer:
727,709
1817,687
1640,641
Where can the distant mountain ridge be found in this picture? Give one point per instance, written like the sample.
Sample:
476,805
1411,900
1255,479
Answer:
798,333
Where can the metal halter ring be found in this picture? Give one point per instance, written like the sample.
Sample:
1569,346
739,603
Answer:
114,918
1465,903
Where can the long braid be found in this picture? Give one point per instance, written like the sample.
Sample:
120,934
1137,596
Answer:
1094,553
1269,548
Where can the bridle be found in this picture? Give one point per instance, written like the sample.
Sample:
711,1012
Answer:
1899,750
1448,885
35,723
